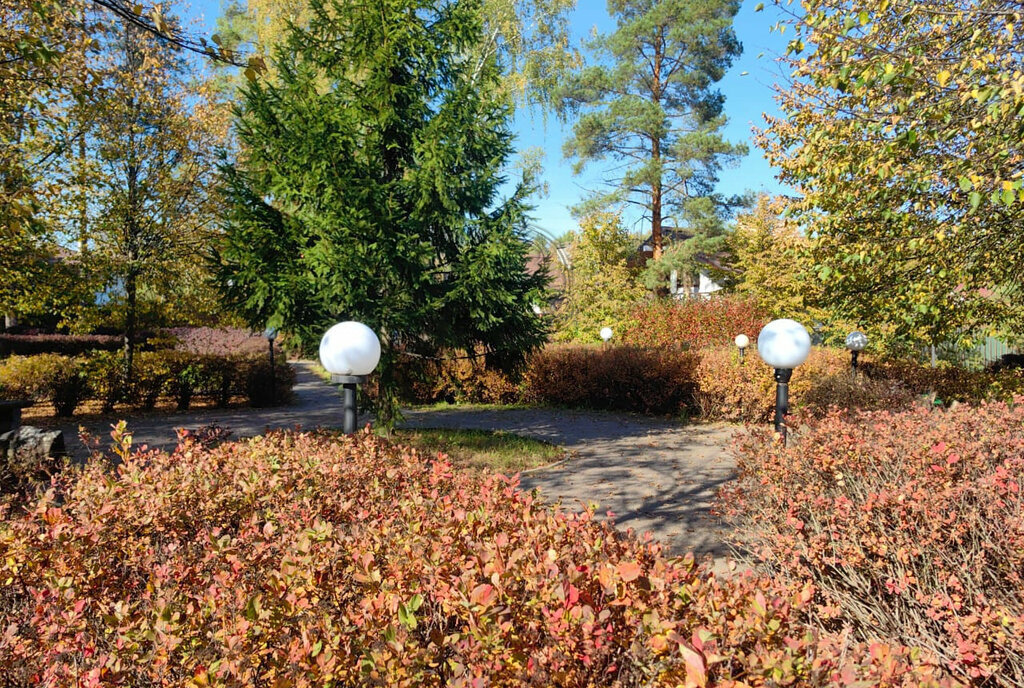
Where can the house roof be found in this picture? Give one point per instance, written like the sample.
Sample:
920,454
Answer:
672,235
535,261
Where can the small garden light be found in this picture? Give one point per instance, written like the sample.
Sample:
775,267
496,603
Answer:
855,342
271,334
742,342
537,310
783,344
349,351
606,333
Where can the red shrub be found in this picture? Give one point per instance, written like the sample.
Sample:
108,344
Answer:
697,323
616,378
67,345
311,560
218,341
910,525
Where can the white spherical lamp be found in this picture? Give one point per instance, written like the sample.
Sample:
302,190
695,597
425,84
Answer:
742,341
350,349
606,333
856,341
784,344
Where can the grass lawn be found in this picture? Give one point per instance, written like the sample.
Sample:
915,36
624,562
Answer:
483,450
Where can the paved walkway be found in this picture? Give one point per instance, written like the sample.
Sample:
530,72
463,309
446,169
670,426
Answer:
651,474
316,404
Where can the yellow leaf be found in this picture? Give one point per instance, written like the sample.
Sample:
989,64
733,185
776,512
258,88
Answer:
943,77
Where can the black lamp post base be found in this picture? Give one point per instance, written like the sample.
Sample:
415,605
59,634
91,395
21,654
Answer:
348,397
782,378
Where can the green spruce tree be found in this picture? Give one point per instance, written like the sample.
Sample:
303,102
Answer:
376,199
649,104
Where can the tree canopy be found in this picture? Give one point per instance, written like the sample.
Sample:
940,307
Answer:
902,128
529,38
602,288
648,102
376,198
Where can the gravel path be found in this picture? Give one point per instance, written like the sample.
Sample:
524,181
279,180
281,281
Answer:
652,474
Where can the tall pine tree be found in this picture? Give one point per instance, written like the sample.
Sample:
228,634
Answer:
649,103
376,199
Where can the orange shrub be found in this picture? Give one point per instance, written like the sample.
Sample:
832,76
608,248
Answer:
910,526
316,560
696,323
950,384
730,390
616,378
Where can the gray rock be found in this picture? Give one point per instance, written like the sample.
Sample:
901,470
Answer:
28,454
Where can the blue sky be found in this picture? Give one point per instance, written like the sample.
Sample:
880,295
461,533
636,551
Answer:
747,88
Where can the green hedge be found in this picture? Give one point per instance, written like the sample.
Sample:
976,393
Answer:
67,381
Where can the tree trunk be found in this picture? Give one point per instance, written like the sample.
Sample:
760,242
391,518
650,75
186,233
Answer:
130,324
656,190
656,239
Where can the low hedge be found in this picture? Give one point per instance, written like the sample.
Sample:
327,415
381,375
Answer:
619,378
64,344
66,382
910,526
318,560
712,383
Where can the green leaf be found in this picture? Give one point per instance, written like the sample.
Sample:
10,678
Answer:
965,184
406,616
975,200
415,602
759,7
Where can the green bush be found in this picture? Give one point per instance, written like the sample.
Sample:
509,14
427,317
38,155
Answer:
48,378
263,386
65,382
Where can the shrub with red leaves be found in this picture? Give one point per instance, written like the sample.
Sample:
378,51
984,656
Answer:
65,344
696,323
910,525
316,560
614,378
218,341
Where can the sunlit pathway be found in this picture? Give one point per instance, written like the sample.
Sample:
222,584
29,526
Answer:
651,474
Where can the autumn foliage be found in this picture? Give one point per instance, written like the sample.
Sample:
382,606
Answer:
312,560
694,323
620,378
909,525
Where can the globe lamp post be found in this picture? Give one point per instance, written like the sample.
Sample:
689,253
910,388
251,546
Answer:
742,342
349,351
271,334
856,342
606,334
783,344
